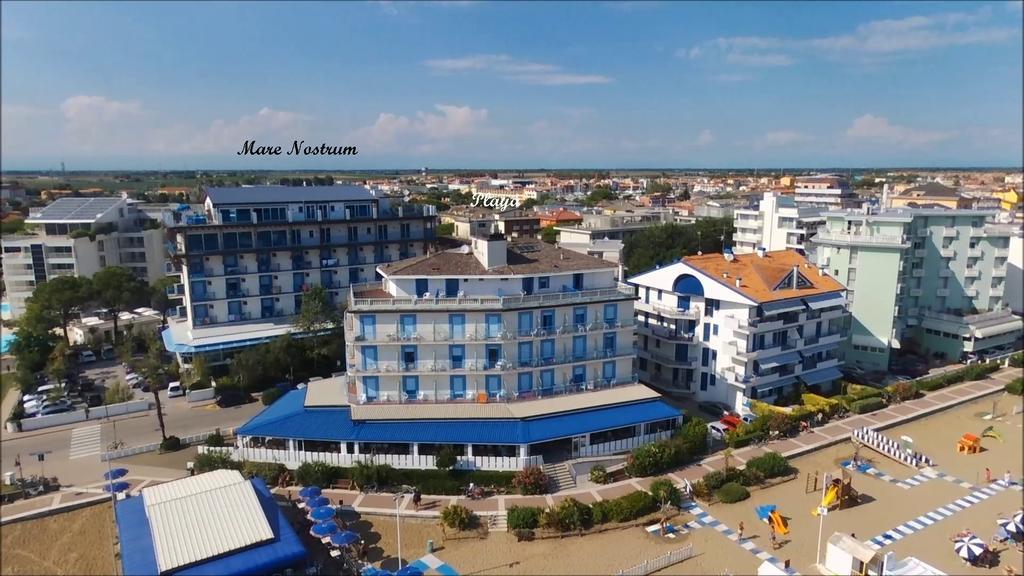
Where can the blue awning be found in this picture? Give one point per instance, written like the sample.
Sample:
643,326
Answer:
823,375
782,306
819,348
173,346
765,388
780,360
820,301
289,418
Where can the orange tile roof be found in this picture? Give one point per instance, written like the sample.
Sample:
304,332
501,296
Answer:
759,276
561,215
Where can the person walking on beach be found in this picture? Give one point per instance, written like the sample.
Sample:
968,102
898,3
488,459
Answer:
417,497
1007,478
988,475
740,533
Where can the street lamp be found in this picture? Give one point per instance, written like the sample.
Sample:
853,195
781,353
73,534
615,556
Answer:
398,497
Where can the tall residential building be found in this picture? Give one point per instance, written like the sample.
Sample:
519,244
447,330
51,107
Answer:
514,353
776,224
825,191
730,327
78,237
247,260
934,280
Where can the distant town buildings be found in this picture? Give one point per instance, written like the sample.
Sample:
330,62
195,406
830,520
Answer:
930,195
825,191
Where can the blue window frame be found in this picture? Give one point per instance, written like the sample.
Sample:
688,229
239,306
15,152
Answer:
525,323
525,382
368,326
451,287
371,386
457,326
353,275
547,319
547,350
369,357
707,331
409,357
579,374
492,354
608,342
422,287
711,379
579,316
608,371
457,356
407,325
457,386
705,355
703,381
579,347
611,313
714,329
200,312
683,303
493,325
528,285
493,385
411,386
543,282
525,353
547,379
577,282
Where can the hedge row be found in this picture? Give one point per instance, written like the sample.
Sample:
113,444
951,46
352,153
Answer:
968,374
688,444
1016,387
570,515
867,405
1017,360
757,470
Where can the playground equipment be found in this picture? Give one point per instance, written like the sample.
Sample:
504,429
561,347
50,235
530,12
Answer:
968,444
769,515
888,447
991,432
839,494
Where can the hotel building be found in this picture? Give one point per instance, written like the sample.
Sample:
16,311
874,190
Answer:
825,191
776,224
248,259
730,327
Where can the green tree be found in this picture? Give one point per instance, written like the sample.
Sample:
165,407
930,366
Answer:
57,367
159,299
63,295
600,194
153,367
668,243
659,188
117,289
549,234
317,318
446,229
246,368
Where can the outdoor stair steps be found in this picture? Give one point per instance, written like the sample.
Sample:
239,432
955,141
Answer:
498,522
559,477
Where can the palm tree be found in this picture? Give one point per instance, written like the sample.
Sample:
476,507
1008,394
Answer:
727,456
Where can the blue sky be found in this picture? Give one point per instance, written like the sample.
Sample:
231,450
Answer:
469,84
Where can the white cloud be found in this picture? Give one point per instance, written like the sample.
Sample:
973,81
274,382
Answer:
515,70
705,138
878,129
266,126
782,138
101,123
762,60
423,132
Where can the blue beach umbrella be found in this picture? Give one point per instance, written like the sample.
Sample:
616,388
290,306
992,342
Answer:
409,570
318,502
969,548
115,474
1018,519
1010,526
323,529
344,538
117,487
322,514
309,492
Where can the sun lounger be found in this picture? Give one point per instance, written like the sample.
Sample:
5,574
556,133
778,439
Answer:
335,553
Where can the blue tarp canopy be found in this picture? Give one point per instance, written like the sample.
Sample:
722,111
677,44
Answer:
823,375
138,557
172,346
781,359
289,418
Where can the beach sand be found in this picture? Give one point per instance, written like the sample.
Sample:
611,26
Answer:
76,542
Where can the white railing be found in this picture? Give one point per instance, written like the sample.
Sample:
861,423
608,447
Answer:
826,235
153,447
552,299
478,333
482,396
293,458
478,365
624,445
659,563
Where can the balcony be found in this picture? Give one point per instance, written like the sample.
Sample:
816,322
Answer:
996,292
998,272
666,357
975,273
915,292
442,333
923,233
949,232
945,272
947,253
920,253
917,273
673,312
204,297
372,296
232,294
971,292
842,238
664,333
942,292
1002,253
974,253
503,396
482,365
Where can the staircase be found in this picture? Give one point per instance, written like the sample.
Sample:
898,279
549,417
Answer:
559,477
498,522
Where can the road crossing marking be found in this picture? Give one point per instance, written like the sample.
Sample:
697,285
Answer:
85,441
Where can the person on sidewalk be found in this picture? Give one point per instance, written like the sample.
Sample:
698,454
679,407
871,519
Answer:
988,475
740,532
417,498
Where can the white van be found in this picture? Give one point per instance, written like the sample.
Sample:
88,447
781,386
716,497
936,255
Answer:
174,390
717,430
86,356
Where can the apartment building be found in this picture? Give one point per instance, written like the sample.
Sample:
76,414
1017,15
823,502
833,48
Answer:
933,280
248,259
776,224
514,353
79,237
825,191
471,220
930,195
619,226
730,327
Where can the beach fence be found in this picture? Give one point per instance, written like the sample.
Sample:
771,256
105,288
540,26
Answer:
890,448
659,563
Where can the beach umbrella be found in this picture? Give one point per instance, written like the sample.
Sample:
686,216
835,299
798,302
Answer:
115,474
117,487
323,529
318,502
309,492
382,572
322,514
1018,519
344,538
1010,525
969,548
409,570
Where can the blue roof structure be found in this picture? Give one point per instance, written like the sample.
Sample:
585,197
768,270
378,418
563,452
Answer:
289,418
138,556
287,194
823,375
171,345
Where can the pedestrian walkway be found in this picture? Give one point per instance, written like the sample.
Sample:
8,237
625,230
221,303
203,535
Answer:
915,480
431,562
85,441
705,519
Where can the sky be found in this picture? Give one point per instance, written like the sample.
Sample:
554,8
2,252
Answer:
181,86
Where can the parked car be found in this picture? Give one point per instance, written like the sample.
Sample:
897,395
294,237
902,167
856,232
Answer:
748,417
716,409
107,352
231,398
93,400
717,430
86,356
135,380
56,409
174,389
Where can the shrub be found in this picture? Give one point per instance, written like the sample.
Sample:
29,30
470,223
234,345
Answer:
446,458
170,444
867,405
365,473
979,371
17,413
601,512
270,396
270,472
571,515
665,492
317,474
531,480
633,506
215,440
750,477
742,437
770,465
782,423
200,384
1017,360
456,517
718,478
214,461
524,517
693,438
860,392
1016,386
732,492
701,490
599,475
647,460
117,394
902,391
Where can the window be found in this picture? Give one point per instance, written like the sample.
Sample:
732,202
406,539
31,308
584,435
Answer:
703,381
611,313
579,316
547,319
457,326
525,323
367,326
411,386
407,325
547,379
614,435
714,329
547,350
493,325
705,355
525,382
609,343
525,353
608,371
369,357
370,387
457,356
577,282
543,282
493,385
579,347
579,374
457,386
707,331
422,287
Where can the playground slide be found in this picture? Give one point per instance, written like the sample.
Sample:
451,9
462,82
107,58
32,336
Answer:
831,495
777,522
